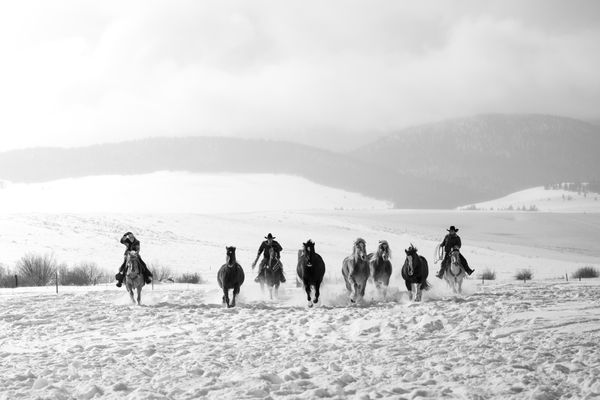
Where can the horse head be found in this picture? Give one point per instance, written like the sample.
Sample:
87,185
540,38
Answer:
273,258
411,258
132,263
455,256
308,250
384,250
230,256
360,249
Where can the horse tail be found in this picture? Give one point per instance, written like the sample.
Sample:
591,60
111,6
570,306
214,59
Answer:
425,285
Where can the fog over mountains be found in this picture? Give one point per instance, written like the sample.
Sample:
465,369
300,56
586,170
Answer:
439,165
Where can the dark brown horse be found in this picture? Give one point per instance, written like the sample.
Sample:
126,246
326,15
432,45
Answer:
381,266
310,269
230,276
355,269
271,273
415,272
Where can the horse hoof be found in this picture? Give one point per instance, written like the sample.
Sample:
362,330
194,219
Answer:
310,304
315,301
352,301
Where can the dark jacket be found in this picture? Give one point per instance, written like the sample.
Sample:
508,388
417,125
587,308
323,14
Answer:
449,242
265,246
131,245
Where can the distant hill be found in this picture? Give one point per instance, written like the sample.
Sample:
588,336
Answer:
208,154
489,156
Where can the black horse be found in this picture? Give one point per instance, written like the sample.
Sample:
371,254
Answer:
310,269
271,274
415,272
230,276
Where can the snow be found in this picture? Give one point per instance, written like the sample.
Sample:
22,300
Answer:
553,200
499,341
181,192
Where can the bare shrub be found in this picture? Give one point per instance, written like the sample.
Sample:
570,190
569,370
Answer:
36,270
82,274
161,273
7,277
586,272
189,278
524,275
488,275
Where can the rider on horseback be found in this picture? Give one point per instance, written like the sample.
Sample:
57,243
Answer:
264,248
132,244
451,241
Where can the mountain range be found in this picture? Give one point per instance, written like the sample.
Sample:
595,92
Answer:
440,165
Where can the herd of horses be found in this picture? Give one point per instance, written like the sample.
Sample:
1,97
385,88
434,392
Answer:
357,269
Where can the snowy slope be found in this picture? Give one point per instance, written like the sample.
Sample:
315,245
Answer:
543,200
179,192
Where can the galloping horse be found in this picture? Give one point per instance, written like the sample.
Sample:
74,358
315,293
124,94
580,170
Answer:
355,270
310,269
230,276
414,272
133,276
271,274
381,266
455,273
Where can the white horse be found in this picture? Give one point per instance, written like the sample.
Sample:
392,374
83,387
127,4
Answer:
455,273
133,276
355,269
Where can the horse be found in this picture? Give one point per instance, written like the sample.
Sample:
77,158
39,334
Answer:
414,272
133,276
355,269
230,276
454,274
381,266
310,269
271,274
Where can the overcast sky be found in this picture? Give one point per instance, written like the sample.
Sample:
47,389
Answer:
79,72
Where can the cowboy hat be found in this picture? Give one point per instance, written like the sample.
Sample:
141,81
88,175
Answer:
452,228
269,236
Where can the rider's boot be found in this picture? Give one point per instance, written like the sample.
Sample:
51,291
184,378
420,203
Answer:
440,273
119,278
257,279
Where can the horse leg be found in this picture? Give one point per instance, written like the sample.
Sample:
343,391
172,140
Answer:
460,281
414,291
226,297
139,295
307,290
130,290
236,291
317,292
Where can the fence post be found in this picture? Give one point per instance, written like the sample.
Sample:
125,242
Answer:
56,280
152,278
567,277
16,281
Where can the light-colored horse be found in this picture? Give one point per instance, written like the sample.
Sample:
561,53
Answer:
455,273
355,270
133,276
381,266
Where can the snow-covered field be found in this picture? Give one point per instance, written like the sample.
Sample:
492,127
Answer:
502,339
534,341
553,200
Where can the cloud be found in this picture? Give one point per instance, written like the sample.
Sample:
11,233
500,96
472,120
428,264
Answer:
87,72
